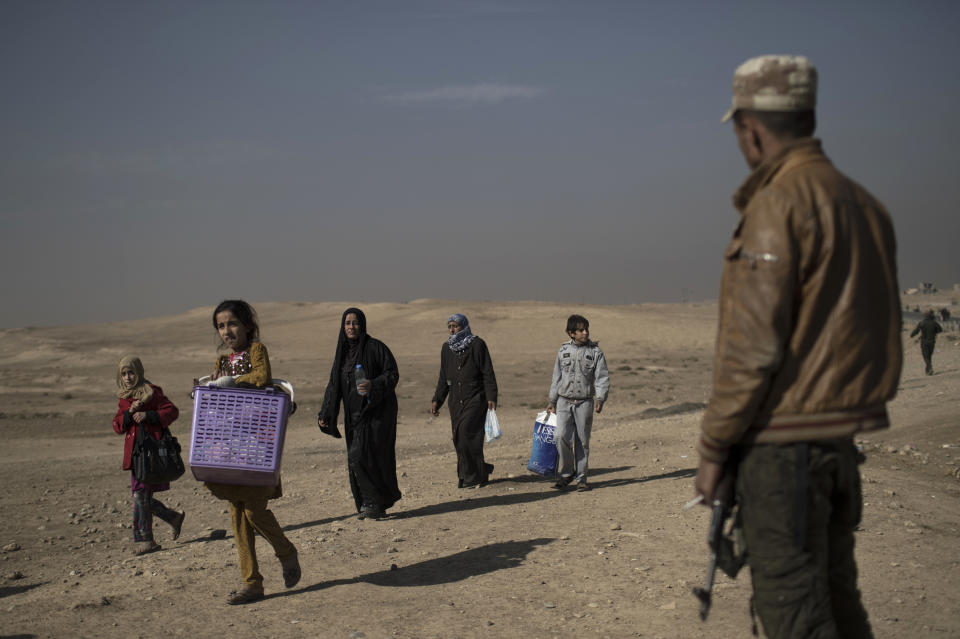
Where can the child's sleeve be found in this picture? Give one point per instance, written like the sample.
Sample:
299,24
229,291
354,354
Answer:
601,384
217,368
261,375
555,382
165,413
121,422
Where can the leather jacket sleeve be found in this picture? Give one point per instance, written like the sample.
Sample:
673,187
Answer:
757,303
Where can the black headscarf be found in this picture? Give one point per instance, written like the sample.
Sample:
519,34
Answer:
348,351
348,354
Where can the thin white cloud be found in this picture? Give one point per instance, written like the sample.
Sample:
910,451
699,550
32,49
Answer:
469,94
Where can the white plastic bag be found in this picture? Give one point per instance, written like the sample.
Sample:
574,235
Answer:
491,426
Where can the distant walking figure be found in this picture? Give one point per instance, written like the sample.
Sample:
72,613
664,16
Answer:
369,414
928,328
466,375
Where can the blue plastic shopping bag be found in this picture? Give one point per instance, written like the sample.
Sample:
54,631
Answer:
543,452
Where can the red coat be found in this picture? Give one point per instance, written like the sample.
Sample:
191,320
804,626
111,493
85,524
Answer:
160,413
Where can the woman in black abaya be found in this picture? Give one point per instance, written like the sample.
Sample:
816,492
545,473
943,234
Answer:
466,374
369,419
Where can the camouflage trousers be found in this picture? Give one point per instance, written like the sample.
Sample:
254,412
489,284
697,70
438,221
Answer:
799,506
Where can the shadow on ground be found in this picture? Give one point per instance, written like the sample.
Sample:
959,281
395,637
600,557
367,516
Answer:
6,591
214,536
533,478
441,570
475,498
675,409
320,522
675,474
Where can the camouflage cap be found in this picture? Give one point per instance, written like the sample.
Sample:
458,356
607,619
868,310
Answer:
774,83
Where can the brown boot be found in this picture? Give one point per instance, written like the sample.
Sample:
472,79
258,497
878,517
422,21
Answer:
244,596
146,547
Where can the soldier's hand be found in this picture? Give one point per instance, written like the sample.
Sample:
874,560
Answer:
708,476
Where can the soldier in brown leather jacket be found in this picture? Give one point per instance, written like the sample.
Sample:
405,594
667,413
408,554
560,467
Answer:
808,353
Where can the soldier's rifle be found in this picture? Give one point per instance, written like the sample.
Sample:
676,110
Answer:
722,506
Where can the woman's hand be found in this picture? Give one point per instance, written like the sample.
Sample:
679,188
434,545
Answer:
364,387
434,409
491,406
139,417
321,423
551,408
135,406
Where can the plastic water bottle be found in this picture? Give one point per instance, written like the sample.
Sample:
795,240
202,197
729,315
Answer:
360,376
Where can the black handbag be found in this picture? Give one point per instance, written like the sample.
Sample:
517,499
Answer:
156,461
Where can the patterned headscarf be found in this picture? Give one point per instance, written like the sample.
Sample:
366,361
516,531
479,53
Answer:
459,341
141,388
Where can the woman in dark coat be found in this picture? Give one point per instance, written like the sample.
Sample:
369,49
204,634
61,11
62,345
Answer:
466,373
369,419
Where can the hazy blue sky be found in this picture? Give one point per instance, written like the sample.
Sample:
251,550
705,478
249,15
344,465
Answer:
159,156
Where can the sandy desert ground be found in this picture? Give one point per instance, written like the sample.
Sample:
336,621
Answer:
515,558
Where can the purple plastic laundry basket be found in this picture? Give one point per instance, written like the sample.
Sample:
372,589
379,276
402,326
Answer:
238,435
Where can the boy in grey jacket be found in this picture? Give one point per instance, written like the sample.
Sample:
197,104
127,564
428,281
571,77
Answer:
579,375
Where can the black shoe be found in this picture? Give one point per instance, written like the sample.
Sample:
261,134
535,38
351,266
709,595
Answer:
372,511
177,525
563,482
583,487
489,468
291,570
